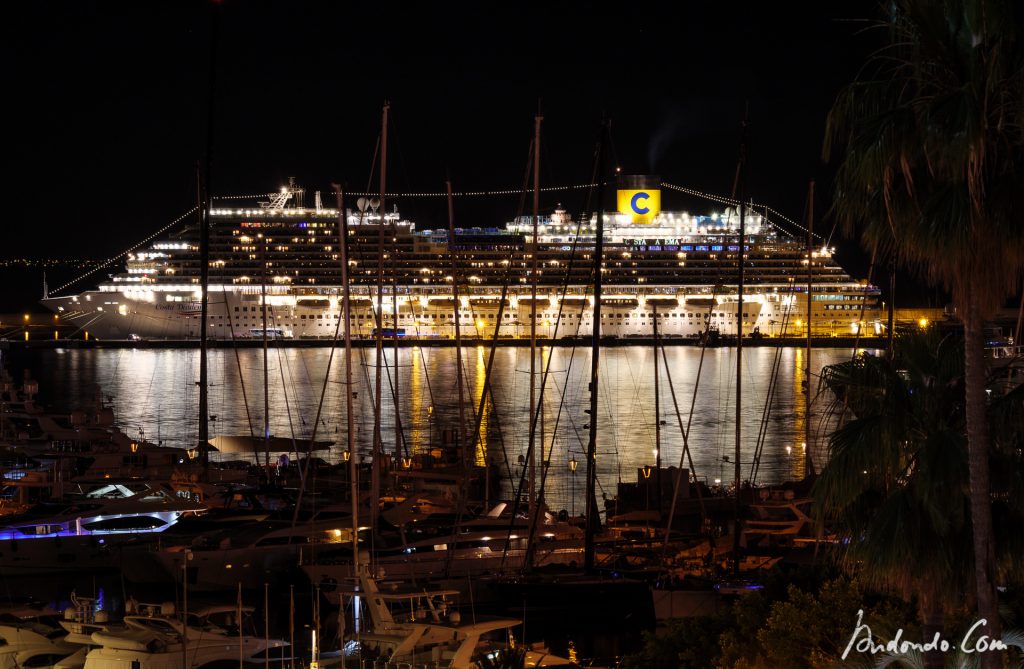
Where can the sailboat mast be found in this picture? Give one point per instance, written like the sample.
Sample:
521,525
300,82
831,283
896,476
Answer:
266,366
808,465
595,366
741,195
531,447
657,414
378,447
346,315
204,282
456,305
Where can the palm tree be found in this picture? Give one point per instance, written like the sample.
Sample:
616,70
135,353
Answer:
896,483
932,140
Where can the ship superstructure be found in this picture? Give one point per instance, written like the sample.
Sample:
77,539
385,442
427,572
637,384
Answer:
284,257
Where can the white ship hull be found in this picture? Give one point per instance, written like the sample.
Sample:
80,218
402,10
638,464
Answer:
173,313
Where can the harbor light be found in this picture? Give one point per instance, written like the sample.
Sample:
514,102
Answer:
923,323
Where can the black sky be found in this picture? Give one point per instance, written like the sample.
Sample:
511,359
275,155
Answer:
107,102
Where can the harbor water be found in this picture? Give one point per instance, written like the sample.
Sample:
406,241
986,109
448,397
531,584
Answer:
154,394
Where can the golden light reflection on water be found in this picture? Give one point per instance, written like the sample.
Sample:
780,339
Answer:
480,451
419,405
795,452
155,390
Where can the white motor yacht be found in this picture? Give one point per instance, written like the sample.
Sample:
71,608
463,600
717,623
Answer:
212,636
31,644
77,534
430,632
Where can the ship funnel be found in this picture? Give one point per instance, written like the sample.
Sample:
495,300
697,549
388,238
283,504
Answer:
639,197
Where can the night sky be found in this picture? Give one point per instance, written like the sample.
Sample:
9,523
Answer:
107,103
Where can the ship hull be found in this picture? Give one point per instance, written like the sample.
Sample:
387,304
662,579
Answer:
681,313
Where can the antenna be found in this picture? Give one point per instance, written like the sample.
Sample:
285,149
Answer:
280,199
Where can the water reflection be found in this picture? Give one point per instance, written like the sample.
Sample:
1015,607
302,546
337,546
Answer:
155,391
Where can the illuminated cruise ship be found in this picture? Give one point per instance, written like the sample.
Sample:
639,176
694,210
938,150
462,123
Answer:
285,257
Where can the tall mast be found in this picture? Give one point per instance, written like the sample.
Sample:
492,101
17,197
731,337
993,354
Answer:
346,315
204,246
808,465
378,448
463,440
266,368
204,282
595,365
657,415
741,195
531,446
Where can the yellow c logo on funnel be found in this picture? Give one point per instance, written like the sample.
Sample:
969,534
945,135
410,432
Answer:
640,205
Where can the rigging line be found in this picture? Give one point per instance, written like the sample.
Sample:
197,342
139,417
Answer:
773,384
316,424
281,364
547,369
731,201
483,193
113,259
394,397
241,378
546,372
687,453
490,360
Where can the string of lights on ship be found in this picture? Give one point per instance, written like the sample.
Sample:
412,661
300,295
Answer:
440,194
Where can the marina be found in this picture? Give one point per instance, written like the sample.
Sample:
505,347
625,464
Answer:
360,336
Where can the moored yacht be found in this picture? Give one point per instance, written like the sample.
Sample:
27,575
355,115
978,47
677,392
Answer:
79,533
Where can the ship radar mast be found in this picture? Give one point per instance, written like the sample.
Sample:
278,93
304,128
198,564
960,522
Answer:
280,199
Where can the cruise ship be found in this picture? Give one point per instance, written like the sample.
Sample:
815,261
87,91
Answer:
283,257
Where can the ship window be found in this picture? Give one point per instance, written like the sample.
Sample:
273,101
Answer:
125,523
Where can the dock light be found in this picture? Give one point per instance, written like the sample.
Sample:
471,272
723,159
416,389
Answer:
789,449
923,323
406,463
135,447
26,318
647,471
346,455
718,481
192,453
572,465
803,444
